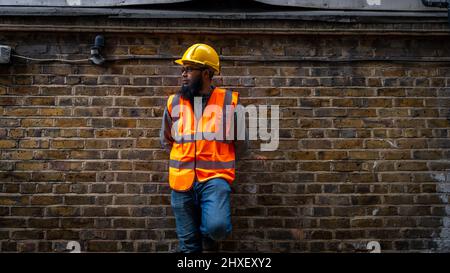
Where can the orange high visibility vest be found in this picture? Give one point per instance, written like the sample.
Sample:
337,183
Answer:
197,151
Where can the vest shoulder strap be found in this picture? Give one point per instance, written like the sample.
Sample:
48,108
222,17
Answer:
172,102
228,97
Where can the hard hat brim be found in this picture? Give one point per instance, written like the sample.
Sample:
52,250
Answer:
179,61
185,62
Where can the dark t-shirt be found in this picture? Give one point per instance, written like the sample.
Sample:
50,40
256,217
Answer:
205,99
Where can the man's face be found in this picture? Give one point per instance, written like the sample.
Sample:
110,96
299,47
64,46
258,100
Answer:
192,81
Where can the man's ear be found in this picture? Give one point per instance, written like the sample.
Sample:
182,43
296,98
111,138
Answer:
209,74
205,74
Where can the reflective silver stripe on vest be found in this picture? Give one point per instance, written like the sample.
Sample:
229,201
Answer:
227,101
211,165
215,164
181,164
175,102
199,136
189,138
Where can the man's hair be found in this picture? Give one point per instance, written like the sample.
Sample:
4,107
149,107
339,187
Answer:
210,73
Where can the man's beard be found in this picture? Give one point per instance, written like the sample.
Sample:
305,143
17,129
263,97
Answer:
191,90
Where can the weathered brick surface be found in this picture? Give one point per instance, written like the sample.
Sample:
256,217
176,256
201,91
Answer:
364,149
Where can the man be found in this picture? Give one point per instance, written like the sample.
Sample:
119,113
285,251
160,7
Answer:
202,144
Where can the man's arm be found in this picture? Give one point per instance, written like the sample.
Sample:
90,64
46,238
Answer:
165,135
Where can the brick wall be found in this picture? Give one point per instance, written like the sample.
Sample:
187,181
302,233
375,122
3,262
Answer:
364,149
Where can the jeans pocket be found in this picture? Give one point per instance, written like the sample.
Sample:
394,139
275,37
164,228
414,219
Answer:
180,200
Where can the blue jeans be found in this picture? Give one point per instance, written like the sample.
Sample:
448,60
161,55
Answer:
203,211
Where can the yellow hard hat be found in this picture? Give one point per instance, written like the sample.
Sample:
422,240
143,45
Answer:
202,54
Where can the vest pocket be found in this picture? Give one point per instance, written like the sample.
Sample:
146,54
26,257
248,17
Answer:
222,148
